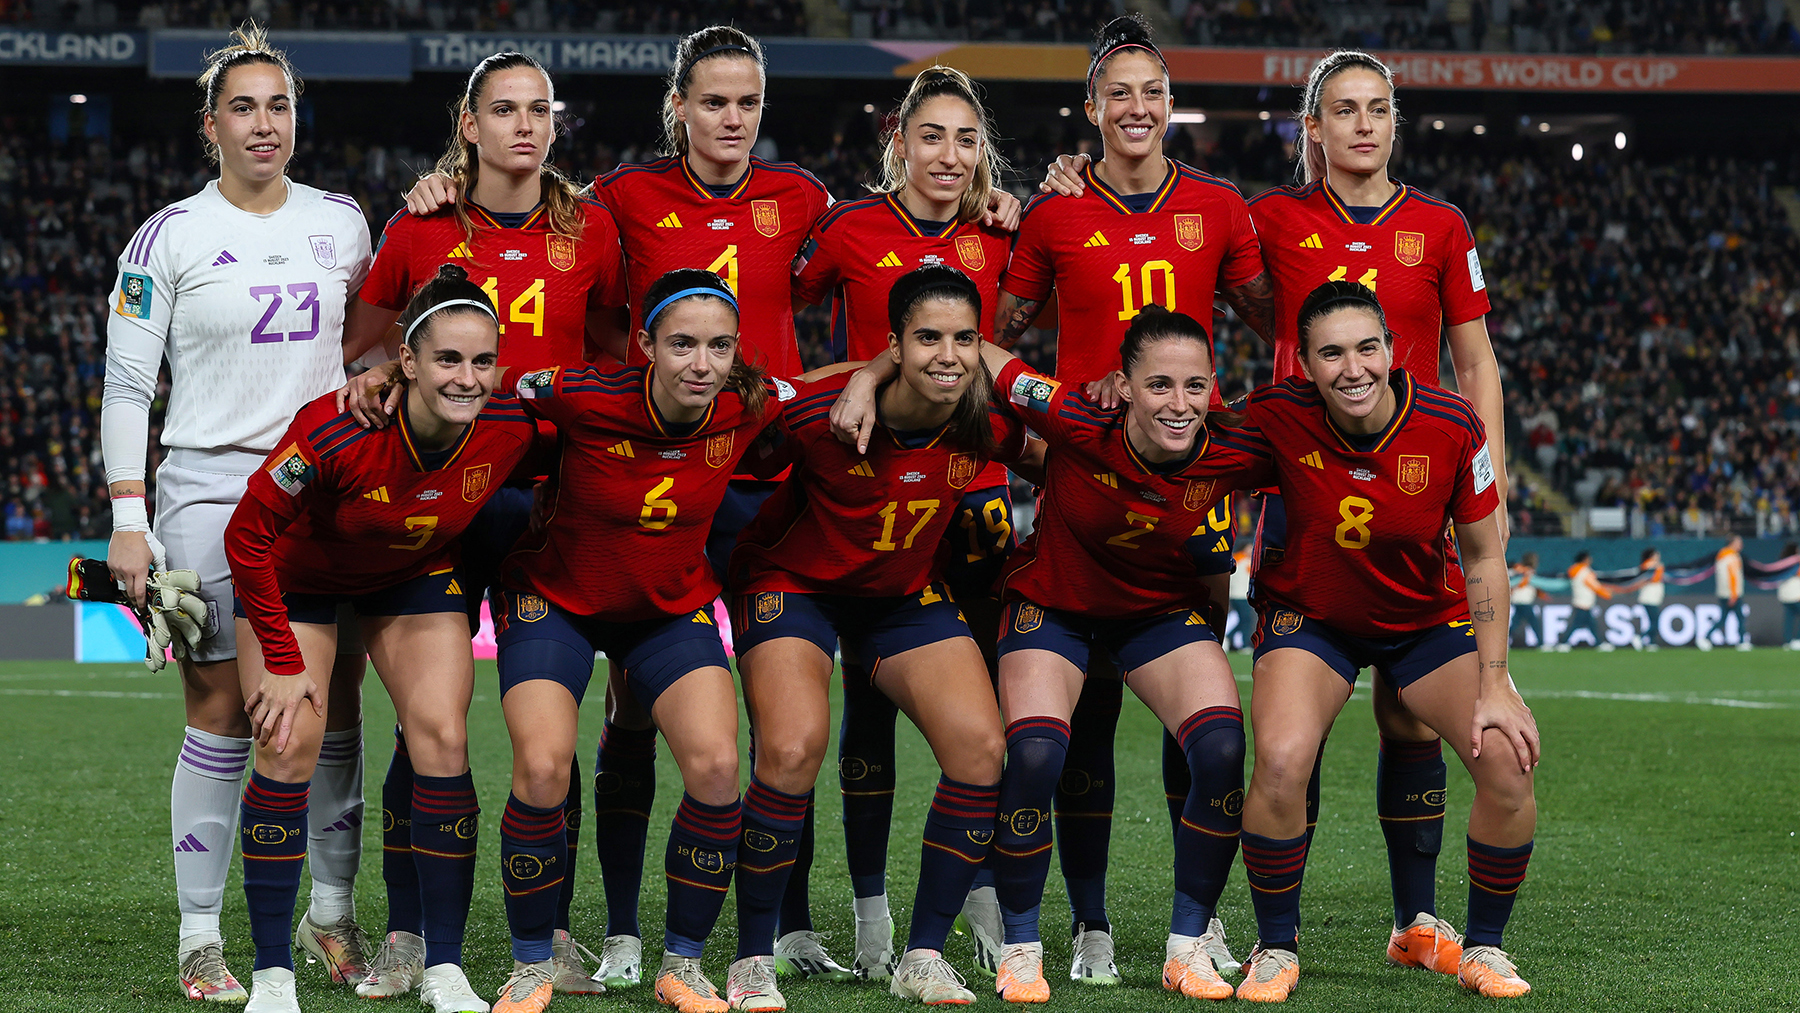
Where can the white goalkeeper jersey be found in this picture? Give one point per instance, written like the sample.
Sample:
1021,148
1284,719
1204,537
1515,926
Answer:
247,308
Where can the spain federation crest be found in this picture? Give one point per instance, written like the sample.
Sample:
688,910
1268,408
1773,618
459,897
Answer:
718,449
766,216
1029,617
324,250
475,482
561,250
530,608
1414,474
970,252
962,470
768,606
1199,493
1189,232
1284,622
1409,248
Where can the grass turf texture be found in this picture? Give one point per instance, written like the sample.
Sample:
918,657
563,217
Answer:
1663,877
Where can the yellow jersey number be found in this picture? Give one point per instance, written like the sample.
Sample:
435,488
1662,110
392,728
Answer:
1353,533
1137,526
420,530
1366,281
726,266
992,520
659,510
929,507
527,308
1147,277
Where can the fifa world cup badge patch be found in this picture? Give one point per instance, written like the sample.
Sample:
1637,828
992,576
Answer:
1409,248
291,470
1029,617
1189,232
1284,622
1415,474
718,449
970,252
135,293
766,216
962,470
539,384
561,250
324,250
1033,391
768,606
475,482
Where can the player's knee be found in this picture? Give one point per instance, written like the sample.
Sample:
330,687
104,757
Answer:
439,748
544,778
979,755
710,773
1283,768
790,764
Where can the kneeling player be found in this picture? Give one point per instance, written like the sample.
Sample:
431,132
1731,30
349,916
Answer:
343,514
1371,577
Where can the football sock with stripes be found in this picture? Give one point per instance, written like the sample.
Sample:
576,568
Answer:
703,847
1035,751
866,779
1410,778
446,825
1084,802
533,854
624,790
1274,869
959,829
1495,875
1176,780
767,853
205,797
334,837
272,833
1212,739
398,870
572,841
796,900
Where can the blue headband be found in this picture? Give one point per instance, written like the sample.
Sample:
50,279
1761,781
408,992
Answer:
716,293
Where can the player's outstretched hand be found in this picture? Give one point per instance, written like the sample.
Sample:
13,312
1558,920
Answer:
1503,710
431,192
1105,391
128,559
853,414
373,396
273,706
1064,176
1003,210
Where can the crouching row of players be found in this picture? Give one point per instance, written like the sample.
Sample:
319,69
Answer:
1376,470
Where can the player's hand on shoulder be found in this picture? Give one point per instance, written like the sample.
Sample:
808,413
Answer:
1003,210
432,191
1064,176
1501,708
1105,391
373,395
853,413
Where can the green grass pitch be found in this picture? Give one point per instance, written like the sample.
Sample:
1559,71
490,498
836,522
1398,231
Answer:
1665,876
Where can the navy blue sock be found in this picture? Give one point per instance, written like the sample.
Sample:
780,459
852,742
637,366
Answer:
1212,740
572,842
624,790
1495,875
1176,780
272,832
1084,802
1274,869
959,828
1035,749
773,823
1312,794
533,854
703,850
1410,779
796,900
866,779
446,825
397,868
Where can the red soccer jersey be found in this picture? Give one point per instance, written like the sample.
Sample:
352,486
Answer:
1418,256
1114,536
668,219
539,281
339,509
1106,262
632,502
865,525
1368,532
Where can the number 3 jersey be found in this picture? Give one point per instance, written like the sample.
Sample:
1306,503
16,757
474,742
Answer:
248,309
1369,545
1116,535
339,509
854,524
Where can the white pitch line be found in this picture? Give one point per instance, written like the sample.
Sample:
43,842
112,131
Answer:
103,694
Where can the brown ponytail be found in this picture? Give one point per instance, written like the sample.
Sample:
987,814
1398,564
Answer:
705,44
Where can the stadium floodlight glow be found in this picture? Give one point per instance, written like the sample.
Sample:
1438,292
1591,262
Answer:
1064,111
1543,126
1264,115
1187,116
868,107
1437,124
1619,140
1480,128
1576,152
82,100
558,106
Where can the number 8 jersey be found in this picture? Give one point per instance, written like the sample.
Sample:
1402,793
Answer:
248,309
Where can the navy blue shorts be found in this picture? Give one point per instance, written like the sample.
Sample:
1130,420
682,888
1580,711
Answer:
743,498
487,540
1129,641
978,541
1403,659
537,640
870,629
439,591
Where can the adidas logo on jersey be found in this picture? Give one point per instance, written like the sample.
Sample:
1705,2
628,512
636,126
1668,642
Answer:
863,469
225,257
1097,239
671,221
1312,242
1108,479
1222,545
454,587
701,616
1194,619
1312,460
378,495
622,448
891,260
462,250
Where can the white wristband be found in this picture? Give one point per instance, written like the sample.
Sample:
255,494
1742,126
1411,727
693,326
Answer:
130,514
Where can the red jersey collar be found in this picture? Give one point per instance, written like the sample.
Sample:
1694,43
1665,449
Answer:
1106,193
480,216
1404,388
705,192
412,445
655,414
1150,469
912,224
1342,210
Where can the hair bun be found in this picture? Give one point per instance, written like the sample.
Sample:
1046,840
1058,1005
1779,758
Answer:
451,272
1127,29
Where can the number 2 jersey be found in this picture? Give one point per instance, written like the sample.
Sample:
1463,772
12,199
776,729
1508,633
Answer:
1116,535
846,523
339,509
1369,541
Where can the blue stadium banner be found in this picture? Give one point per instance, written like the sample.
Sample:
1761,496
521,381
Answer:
318,56
560,54
27,47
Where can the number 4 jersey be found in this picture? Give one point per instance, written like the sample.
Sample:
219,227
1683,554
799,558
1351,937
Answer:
1369,547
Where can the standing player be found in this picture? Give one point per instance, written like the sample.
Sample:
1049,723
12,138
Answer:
1523,598
333,517
1651,589
1143,228
1373,580
868,579
1585,591
940,171
1728,584
548,258
243,288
